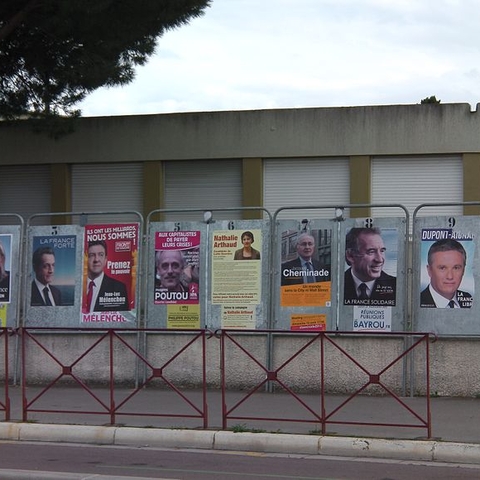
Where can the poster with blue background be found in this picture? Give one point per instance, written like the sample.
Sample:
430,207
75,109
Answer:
63,276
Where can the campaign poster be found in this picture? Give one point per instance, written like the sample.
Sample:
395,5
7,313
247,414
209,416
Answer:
5,267
183,317
3,315
236,267
110,269
53,263
305,276
177,268
308,322
238,317
370,277
372,319
446,279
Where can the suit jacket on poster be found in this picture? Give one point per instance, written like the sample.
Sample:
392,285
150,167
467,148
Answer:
464,299
37,299
107,303
4,288
383,292
296,264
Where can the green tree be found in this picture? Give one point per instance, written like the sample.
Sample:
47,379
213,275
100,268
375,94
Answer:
432,99
53,53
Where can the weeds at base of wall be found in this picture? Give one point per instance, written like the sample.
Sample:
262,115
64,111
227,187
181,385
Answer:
242,428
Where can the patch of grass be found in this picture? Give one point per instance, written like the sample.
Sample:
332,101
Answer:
242,427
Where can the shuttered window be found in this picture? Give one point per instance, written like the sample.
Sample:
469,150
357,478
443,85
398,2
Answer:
302,182
107,187
206,184
25,190
413,181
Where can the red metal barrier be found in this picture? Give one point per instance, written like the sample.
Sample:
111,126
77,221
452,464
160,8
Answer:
319,414
114,406
5,404
375,378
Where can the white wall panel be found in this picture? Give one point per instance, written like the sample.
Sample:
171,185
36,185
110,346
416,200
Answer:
302,182
25,190
205,184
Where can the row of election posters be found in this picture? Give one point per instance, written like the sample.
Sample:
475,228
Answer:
368,278
235,282
109,272
107,290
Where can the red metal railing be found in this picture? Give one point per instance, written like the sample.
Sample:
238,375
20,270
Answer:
319,413
5,403
375,378
109,339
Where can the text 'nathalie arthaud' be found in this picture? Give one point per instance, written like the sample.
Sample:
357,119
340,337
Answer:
225,241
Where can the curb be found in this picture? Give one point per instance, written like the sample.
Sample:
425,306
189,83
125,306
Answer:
421,450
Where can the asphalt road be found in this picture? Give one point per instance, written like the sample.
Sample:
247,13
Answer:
118,462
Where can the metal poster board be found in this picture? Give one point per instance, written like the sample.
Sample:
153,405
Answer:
83,275
53,257
372,274
176,275
446,297
239,288
304,280
10,268
111,268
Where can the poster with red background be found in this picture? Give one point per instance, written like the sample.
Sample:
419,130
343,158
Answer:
110,273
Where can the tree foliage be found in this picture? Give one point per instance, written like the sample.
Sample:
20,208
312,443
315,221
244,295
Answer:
53,53
432,99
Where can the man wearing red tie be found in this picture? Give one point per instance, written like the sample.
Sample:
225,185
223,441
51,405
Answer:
103,293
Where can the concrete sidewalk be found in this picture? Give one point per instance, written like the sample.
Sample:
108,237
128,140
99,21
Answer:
295,430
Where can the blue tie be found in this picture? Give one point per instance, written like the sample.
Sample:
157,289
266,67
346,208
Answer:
363,291
46,297
310,276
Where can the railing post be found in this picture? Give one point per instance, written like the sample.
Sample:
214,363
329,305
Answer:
427,360
322,382
112,380
23,334
222,379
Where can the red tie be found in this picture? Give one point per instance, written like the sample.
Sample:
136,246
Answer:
90,294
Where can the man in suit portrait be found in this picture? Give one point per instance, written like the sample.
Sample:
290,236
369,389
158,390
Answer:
103,293
365,282
304,268
43,292
446,263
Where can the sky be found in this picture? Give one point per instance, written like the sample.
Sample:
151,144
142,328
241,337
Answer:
264,54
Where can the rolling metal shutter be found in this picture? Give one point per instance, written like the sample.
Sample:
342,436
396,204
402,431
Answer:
205,184
298,182
107,187
413,181
25,189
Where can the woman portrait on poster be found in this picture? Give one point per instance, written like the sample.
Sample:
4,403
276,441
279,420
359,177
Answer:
247,252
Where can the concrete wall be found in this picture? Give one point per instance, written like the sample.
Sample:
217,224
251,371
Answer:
306,132
357,132
453,363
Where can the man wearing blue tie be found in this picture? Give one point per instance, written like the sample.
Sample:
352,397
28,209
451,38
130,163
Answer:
43,292
447,259
365,282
